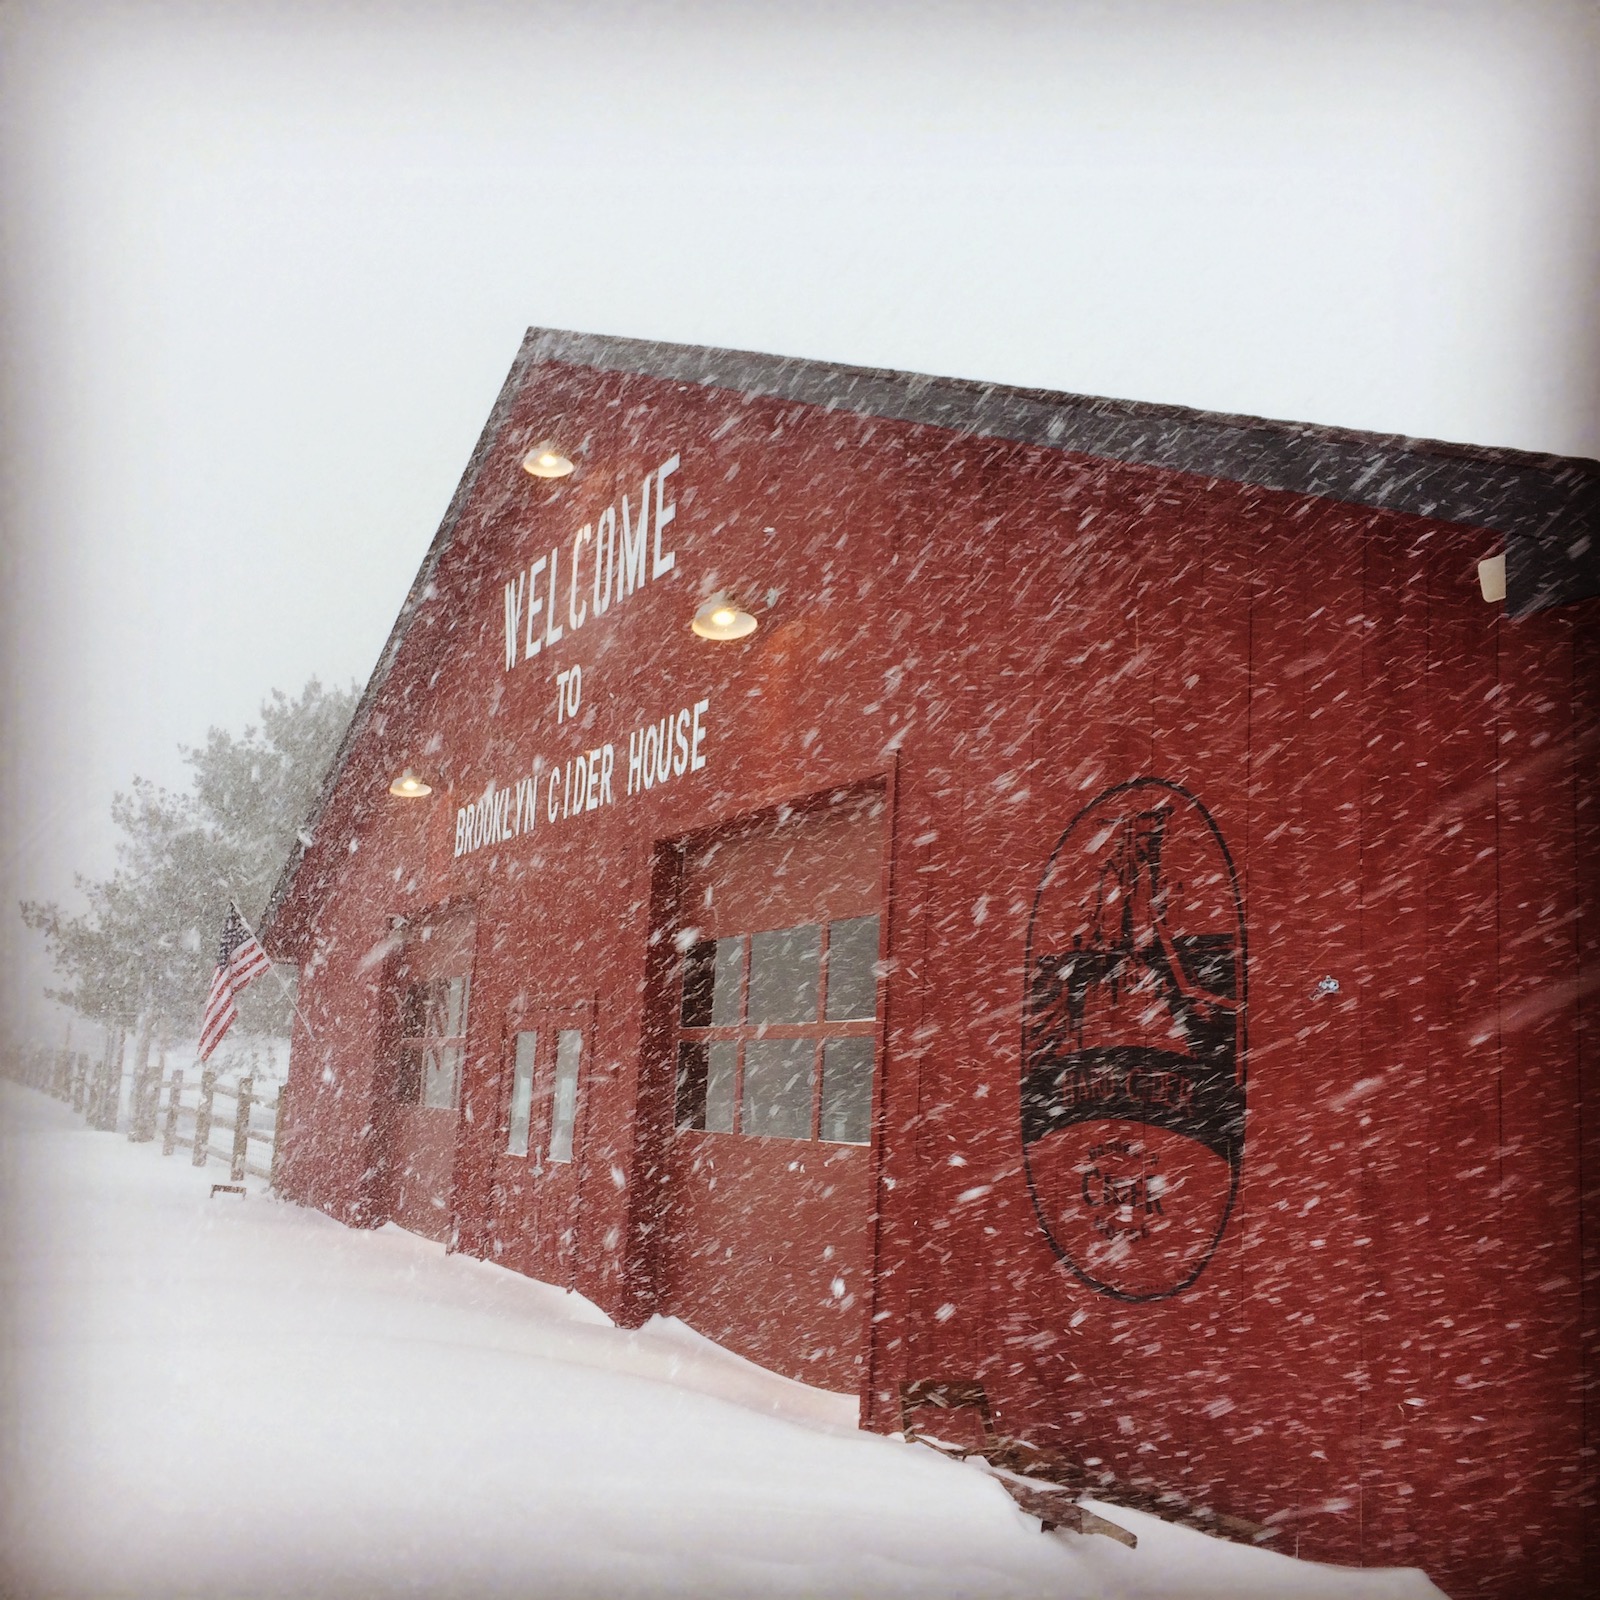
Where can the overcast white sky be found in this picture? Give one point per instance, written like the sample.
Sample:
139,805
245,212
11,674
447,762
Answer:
266,266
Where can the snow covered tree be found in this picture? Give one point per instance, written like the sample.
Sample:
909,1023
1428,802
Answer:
143,951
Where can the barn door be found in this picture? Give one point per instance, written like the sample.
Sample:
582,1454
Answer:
767,1243
429,990
546,1059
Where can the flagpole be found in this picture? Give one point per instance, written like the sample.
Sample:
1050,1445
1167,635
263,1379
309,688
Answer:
282,984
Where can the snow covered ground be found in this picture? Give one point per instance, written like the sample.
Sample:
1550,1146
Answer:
228,1398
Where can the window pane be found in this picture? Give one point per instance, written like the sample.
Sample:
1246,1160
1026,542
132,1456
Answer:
847,1091
441,1072
521,1094
691,1095
725,991
414,1011
408,1075
784,967
569,1052
721,1056
778,1075
705,1084
853,969
434,1023
699,973
455,1007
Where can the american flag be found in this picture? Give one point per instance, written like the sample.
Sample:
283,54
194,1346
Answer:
240,959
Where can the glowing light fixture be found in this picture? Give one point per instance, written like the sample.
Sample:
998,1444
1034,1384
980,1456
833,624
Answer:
547,460
408,786
1492,577
722,617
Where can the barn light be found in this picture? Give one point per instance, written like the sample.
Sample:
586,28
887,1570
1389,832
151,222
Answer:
1492,577
547,460
408,786
722,617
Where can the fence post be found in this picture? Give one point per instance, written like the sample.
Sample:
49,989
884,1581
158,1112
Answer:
105,1104
119,1061
169,1135
95,1099
85,1079
202,1116
146,1090
277,1128
94,1091
241,1129
141,1104
102,1078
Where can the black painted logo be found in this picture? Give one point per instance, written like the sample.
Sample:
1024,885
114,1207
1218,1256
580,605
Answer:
1133,1046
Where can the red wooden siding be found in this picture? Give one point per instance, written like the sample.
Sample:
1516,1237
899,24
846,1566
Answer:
1390,1356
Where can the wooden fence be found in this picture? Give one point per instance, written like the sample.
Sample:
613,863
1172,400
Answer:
89,1085
192,1123
62,1073
191,1112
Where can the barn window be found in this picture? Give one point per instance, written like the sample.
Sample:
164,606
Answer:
542,1116
527,1046
564,1111
777,1032
433,1042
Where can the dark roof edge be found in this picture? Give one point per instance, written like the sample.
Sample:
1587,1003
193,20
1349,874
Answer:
498,416
757,372
1547,499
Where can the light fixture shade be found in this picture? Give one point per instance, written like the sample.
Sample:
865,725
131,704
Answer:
408,786
547,460
722,617
1492,578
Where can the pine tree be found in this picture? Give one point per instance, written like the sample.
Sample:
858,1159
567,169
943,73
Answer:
142,954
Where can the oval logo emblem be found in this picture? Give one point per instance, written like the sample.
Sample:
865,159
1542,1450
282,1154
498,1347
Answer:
1133,1047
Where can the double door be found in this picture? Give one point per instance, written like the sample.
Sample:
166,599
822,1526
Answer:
534,1223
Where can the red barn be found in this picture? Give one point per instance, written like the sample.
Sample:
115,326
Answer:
937,883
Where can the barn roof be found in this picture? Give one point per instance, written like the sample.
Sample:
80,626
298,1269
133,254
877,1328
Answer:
1545,507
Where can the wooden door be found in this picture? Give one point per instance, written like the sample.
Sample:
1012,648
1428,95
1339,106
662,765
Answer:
767,1238
429,988
545,1061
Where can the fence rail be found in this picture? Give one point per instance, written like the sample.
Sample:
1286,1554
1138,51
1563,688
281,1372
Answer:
202,1118
61,1073
190,1118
